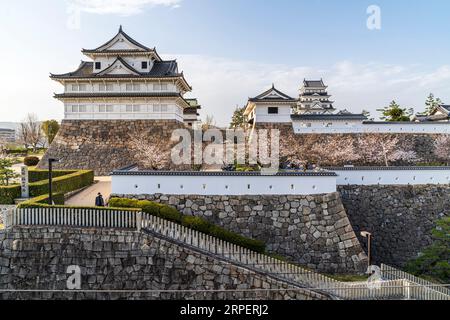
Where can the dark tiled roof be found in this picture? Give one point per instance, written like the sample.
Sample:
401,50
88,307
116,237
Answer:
446,107
405,122
313,83
190,110
316,94
283,97
126,36
223,173
377,168
160,69
328,117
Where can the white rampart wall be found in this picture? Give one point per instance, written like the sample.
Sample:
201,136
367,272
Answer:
352,127
393,177
223,185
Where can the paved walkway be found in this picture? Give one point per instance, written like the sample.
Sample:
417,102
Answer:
87,196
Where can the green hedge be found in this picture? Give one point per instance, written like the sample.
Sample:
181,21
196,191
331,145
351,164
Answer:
63,184
36,175
9,193
58,199
196,223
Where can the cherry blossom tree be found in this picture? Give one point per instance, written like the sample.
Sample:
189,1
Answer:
377,148
442,147
150,154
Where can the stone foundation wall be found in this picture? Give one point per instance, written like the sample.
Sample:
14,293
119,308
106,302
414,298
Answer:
310,230
421,144
104,145
400,218
38,258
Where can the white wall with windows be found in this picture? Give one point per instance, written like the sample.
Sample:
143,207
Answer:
201,184
137,62
392,176
130,86
273,113
339,126
126,110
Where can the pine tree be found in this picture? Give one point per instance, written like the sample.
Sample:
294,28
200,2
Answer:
238,119
431,103
395,113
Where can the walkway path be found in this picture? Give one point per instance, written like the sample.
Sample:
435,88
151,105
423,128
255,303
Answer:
87,196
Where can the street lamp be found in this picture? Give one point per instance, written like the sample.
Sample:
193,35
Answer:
368,236
50,178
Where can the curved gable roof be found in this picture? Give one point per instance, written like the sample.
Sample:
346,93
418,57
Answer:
272,95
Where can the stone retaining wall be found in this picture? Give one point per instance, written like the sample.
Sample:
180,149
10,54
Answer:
401,218
104,145
38,259
310,230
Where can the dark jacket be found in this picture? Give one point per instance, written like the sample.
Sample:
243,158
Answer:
99,202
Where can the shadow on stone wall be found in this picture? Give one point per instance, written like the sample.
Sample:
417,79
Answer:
400,218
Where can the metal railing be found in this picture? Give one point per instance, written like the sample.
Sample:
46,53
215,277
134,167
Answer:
71,217
418,288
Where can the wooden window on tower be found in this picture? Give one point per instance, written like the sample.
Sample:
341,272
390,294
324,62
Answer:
273,110
98,65
144,65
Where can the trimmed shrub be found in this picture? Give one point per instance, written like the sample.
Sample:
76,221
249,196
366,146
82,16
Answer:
204,226
36,175
196,223
31,161
58,199
9,193
64,184
170,213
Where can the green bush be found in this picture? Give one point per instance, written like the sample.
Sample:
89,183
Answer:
204,226
9,193
58,199
123,203
196,223
64,184
434,261
31,161
36,175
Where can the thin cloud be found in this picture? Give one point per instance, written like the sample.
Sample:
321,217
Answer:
222,84
120,7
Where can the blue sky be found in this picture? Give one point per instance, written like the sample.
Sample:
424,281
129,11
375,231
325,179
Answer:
233,49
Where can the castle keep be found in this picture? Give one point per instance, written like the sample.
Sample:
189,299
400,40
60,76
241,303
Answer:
125,90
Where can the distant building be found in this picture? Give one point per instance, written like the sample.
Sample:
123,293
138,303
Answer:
191,115
314,98
313,112
271,106
8,135
440,114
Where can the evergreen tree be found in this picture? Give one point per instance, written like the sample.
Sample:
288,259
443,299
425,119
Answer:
50,129
394,112
238,119
431,103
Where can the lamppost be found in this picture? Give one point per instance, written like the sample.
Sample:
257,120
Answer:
50,179
368,236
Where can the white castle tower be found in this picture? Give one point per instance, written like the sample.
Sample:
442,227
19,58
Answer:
124,80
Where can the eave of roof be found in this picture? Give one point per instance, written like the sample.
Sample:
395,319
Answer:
261,96
223,173
328,117
122,61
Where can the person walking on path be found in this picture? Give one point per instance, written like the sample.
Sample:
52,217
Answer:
99,202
